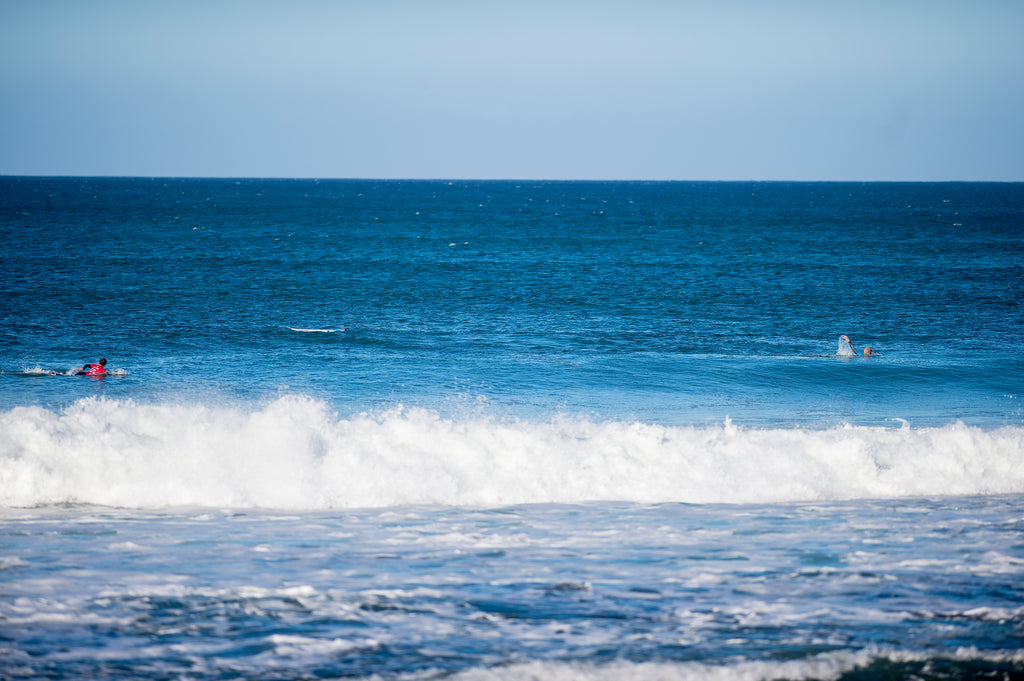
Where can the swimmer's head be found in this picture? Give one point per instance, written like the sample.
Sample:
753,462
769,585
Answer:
103,361
867,351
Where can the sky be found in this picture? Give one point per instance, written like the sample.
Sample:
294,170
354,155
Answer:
860,90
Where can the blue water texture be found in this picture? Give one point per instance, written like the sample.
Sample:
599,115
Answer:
511,430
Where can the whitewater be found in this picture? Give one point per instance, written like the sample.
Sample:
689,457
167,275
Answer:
295,453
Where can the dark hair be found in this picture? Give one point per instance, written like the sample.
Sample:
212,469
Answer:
103,361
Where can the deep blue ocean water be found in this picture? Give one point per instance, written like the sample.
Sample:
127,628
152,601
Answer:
511,430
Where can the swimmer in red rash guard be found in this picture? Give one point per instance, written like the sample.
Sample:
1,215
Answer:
94,369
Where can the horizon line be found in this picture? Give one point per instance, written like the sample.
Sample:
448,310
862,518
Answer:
312,178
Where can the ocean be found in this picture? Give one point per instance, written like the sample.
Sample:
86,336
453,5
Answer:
511,430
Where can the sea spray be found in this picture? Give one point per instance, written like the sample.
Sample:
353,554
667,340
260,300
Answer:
296,453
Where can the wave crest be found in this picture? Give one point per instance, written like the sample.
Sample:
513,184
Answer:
295,453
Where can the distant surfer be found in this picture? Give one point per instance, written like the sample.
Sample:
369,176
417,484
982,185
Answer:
94,369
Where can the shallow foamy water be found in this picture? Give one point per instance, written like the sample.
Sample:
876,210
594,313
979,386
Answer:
670,591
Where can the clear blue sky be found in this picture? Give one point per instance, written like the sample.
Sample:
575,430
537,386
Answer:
523,89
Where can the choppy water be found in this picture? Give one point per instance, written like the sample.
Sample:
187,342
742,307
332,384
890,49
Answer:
510,430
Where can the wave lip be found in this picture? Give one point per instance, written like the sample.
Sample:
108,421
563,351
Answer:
296,453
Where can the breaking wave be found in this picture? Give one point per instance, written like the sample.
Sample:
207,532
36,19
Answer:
296,453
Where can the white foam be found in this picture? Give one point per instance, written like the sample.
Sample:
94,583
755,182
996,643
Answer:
295,453
305,647
126,547
40,371
830,665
